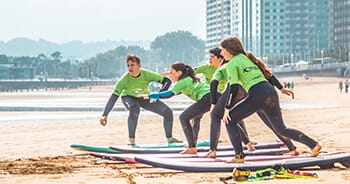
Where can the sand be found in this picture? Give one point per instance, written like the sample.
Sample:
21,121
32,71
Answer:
38,151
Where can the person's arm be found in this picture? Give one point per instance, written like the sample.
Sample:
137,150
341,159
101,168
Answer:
163,94
230,102
213,91
166,82
232,96
275,82
109,106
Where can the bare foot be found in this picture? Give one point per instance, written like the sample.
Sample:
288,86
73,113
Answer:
210,154
189,151
316,150
250,146
235,160
292,153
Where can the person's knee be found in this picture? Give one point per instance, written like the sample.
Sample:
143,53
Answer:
134,111
167,113
184,117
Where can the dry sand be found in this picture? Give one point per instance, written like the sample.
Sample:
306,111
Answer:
38,151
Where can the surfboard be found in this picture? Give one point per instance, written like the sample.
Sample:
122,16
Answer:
129,149
83,147
323,161
130,158
106,149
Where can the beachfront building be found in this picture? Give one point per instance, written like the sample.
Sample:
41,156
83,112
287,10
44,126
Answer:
289,30
218,21
341,24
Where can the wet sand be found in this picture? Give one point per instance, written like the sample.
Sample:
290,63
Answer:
38,151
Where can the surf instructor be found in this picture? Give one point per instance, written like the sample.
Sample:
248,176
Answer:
130,87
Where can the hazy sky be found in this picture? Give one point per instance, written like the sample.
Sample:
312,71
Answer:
97,20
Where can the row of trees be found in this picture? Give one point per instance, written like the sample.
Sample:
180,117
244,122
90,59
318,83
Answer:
164,50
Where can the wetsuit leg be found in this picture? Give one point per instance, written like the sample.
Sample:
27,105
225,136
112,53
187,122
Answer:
132,104
199,108
285,140
196,127
273,113
162,109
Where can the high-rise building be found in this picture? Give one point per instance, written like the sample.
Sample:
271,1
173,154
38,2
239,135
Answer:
289,30
306,28
218,22
341,27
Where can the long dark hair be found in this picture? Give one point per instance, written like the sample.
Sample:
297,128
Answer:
234,46
186,70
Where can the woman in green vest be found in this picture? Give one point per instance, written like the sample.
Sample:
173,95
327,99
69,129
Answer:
250,72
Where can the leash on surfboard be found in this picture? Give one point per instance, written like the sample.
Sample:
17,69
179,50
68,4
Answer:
267,174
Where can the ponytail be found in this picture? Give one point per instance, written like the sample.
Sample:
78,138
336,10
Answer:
186,70
190,73
260,63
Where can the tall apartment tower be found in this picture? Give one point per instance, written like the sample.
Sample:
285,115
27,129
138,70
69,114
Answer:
290,30
341,24
306,28
218,24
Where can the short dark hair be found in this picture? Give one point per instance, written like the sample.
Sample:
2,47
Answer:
133,58
216,51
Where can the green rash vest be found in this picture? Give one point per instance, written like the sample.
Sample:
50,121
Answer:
241,70
132,86
207,70
194,90
221,76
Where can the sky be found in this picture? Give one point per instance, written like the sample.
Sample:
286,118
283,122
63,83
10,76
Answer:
99,20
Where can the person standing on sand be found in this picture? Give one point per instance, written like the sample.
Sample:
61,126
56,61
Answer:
340,86
346,84
292,85
133,84
208,70
188,84
218,105
251,73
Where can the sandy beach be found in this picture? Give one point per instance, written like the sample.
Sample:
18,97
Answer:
37,150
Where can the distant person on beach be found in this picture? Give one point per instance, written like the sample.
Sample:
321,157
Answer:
340,86
250,72
346,84
292,85
130,87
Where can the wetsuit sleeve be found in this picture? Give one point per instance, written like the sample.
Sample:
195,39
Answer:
233,93
110,104
275,82
166,82
213,91
163,94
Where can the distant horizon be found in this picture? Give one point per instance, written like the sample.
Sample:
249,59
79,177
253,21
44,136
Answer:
94,41
62,21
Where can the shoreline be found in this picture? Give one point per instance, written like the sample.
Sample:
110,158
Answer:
38,151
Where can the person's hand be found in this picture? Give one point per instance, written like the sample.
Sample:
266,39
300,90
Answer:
287,92
103,120
226,118
211,110
164,74
144,96
152,100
